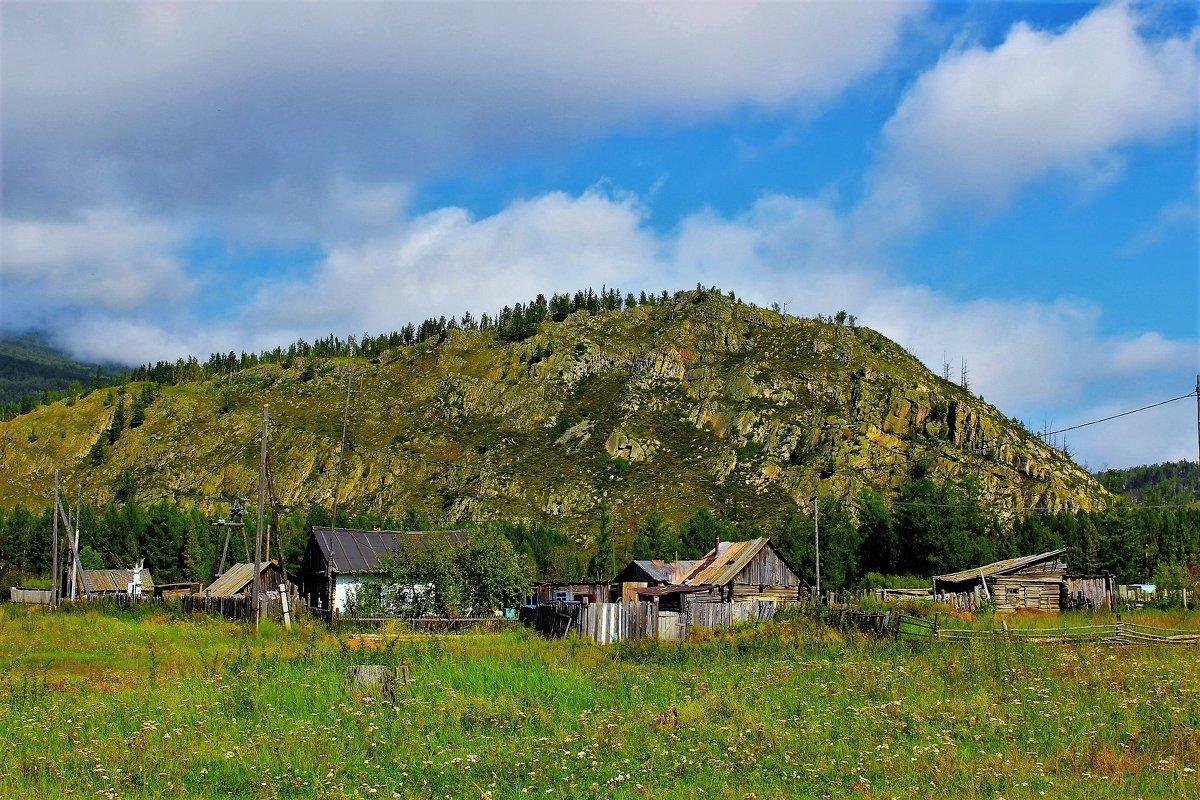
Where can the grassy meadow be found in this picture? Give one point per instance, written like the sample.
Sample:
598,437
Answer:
103,705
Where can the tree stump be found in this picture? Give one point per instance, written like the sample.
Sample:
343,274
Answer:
376,679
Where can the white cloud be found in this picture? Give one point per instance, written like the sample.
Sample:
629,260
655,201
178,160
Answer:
447,262
1024,355
983,124
223,106
1163,434
107,258
1181,216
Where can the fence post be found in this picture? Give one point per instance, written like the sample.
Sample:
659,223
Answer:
937,625
887,618
1119,627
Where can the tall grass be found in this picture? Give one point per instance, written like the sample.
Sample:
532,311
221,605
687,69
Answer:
107,707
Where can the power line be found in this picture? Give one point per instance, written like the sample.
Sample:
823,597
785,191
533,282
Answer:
1122,414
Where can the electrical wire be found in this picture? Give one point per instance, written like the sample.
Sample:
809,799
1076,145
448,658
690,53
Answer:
1122,414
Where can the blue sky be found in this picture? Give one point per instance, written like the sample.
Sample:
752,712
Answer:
1009,184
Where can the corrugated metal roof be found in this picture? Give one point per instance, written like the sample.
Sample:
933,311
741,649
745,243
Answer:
353,551
723,564
998,567
113,580
235,579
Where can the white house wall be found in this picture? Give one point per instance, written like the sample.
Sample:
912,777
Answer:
347,586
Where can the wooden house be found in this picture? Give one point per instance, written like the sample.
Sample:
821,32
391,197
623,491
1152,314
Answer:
238,580
1038,582
744,570
341,563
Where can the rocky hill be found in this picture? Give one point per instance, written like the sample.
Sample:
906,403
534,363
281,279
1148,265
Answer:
699,401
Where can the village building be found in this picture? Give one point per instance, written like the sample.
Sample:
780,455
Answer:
1034,582
567,592
647,573
238,580
343,565
730,571
745,570
106,582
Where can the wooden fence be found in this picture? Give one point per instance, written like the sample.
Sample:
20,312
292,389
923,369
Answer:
896,625
427,624
611,622
17,594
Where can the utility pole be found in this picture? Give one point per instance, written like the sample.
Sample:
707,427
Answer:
1198,417
337,486
236,511
817,538
255,592
54,552
71,591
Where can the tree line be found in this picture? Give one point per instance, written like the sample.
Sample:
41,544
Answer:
929,528
510,324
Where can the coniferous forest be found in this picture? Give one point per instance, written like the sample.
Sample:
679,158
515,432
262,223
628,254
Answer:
930,528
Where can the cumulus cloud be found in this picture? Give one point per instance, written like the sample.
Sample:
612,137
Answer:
107,259
982,124
448,261
218,106
1023,355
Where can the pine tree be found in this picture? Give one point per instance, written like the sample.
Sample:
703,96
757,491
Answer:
118,422
604,563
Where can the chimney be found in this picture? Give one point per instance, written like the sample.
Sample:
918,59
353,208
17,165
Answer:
717,547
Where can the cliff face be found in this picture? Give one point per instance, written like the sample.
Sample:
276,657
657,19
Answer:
701,401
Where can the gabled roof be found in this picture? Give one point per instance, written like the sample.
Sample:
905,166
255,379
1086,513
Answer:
665,571
235,579
112,580
1005,567
352,551
723,563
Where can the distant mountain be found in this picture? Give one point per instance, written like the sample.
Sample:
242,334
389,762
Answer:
31,365
1156,484
697,400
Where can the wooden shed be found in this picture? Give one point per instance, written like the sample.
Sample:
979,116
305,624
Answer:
239,580
1037,581
742,570
102,582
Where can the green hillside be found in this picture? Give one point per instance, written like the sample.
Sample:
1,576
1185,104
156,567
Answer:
696,401
31,366
1175,483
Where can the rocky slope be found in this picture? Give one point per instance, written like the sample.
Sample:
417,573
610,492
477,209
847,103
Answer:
700,401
